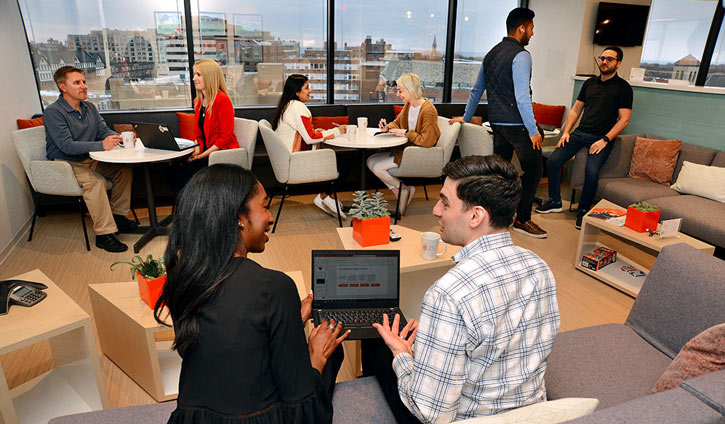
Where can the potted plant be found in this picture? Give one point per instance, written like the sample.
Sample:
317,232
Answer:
642,216
151,277
370,219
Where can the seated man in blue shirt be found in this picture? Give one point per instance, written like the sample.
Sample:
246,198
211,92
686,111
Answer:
487,326
73,128
505,75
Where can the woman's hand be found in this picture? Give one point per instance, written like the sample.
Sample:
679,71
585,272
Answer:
323,341
397,131
306,309
383,125
398,342
343,129
195,154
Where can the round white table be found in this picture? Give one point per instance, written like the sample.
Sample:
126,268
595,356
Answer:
366,141
143,156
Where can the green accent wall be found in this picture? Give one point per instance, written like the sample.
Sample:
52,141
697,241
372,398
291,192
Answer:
695,118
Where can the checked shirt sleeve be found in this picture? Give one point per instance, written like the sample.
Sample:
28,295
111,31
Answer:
430,385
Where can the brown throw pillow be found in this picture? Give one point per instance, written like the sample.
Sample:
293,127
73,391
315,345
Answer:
703,354
654,160
119,128
29,123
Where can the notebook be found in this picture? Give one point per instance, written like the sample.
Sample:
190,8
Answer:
356,287
157,136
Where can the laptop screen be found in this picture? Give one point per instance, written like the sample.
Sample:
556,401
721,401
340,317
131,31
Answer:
341,276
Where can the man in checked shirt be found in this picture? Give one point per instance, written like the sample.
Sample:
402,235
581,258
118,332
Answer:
487,326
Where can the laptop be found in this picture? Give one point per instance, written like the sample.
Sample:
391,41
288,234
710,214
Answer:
157,136
356,287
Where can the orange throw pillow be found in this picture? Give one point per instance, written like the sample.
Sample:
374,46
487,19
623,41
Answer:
29,123
186,125
548,115
397,109
654,160
325,122
703,354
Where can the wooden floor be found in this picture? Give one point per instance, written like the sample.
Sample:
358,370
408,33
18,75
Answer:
57,250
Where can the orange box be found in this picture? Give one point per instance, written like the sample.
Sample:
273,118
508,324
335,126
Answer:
599,258
371,232
641,221
150,290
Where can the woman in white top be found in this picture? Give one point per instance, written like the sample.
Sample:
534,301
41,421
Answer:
418,122
293,124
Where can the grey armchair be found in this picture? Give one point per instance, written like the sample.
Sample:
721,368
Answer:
475,140
46,176
426,162
310,166
246,132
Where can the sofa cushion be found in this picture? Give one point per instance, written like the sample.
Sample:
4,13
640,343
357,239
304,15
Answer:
609,362
360,401
701,218
719,159
654,160
701,180
703,354
709,388
326,122
694,154
143,414
625,191
671,407
186,125
553,411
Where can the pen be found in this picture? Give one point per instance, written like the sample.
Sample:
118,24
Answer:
336,124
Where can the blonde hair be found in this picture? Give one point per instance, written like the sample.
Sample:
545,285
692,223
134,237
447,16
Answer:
213,81
411,82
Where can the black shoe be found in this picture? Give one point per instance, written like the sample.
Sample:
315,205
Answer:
579,218
124,224
549,206
110,243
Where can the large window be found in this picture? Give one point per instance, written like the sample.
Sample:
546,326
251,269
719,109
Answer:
377,41
133,52
259,43
716,75
675,39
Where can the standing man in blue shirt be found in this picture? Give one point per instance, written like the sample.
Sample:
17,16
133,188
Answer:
506,76
73,128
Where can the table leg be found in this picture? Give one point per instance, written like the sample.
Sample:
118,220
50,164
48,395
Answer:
363,169
153,229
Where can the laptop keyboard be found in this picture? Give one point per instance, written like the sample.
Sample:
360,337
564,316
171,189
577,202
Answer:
362,317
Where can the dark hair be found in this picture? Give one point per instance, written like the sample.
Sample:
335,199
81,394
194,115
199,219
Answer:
517,17
292,86
487,181
60,73
620,53
203,238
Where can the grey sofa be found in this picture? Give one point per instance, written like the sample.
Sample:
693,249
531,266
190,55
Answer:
619,364
701,218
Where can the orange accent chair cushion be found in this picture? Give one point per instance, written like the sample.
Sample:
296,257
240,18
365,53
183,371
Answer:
325,122
548,115
654,160
29,123
186,125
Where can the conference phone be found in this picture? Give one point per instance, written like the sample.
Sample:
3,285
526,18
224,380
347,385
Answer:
20,292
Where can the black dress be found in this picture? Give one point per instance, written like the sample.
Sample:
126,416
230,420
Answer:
252,363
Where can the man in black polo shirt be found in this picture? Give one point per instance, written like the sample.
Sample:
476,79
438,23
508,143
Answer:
607,104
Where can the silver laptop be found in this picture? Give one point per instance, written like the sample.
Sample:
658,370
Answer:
157,136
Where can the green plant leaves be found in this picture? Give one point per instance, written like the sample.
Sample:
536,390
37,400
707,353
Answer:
150,268
366,207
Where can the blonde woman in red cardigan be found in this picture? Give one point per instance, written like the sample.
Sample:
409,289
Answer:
214,119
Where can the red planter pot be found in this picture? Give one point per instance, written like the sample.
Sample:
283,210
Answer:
371,232
150,290
641,221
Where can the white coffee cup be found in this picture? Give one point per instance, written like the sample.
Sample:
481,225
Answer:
351,132
128,139
430,243
362,123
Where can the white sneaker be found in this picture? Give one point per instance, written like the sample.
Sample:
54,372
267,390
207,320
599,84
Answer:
329,203
406,199
319,202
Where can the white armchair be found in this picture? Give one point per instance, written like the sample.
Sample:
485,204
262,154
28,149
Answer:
475,140
310,166
246,132
427,162
47,176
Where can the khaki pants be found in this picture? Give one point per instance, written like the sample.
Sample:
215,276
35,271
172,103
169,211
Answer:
91,176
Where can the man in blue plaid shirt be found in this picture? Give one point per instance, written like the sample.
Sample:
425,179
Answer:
488,325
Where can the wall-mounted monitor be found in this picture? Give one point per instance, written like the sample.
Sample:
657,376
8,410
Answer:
620,24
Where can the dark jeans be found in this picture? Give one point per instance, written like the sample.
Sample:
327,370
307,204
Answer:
506,140
577,140
179,173
377,360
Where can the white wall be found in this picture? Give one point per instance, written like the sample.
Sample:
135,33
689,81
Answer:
19,100
555,49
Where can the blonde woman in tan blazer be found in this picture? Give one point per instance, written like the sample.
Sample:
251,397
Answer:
418,122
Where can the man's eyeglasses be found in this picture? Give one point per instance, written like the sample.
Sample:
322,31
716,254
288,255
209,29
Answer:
607,59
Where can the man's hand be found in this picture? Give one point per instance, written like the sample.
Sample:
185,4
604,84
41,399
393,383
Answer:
398,342
456,119
306,309
597,147
536,141
563,140
111,141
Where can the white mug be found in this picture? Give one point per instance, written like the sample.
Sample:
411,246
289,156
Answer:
128,139
430,242
351,132
362,123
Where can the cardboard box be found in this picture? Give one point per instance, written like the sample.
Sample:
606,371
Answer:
599,258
